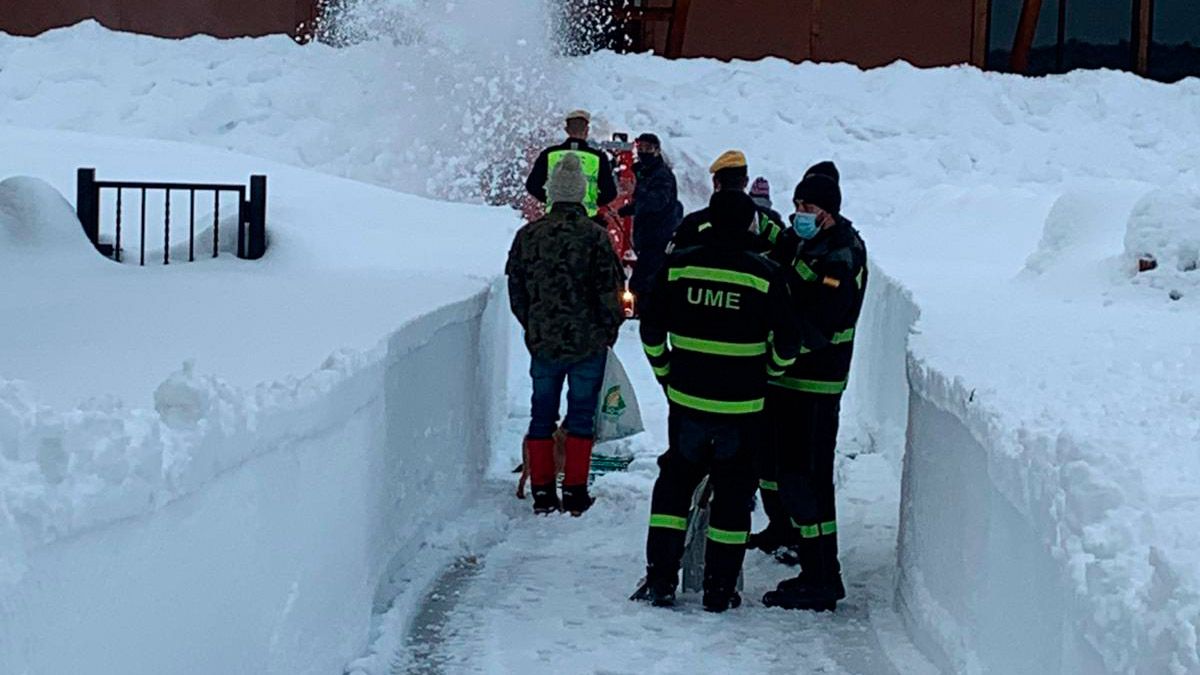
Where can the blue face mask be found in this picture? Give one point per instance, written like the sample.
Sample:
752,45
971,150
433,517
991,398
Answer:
805,225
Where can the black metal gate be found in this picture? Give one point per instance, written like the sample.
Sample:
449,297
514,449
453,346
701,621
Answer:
252,214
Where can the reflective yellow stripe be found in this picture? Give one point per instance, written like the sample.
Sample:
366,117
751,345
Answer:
728,537
768,485
716,347
668,522
838,338
859,278
807,531
591,171
774,373
709,405
780,361
655,350
811,386
829,527
717,274
768,226
664,371
703,227
806,273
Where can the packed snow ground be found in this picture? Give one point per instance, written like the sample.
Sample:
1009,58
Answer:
1011,210
553,592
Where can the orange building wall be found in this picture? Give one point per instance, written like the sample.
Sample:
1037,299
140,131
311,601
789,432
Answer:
866,32
166,18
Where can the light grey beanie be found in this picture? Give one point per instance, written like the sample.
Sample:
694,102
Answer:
567,184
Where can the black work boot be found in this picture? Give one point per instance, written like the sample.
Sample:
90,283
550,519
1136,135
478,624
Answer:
718,600
575,499
821,596
545,499
657,589
819,587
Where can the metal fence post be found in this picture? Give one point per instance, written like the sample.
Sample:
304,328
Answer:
243,216
256,245
87,204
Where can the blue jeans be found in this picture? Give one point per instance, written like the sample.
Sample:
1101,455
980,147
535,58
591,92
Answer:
584,378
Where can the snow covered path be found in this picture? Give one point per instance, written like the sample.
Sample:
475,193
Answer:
552,595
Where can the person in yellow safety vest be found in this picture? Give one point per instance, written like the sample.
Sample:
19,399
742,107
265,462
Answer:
601,187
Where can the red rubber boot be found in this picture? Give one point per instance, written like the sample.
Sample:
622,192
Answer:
542,475
575,475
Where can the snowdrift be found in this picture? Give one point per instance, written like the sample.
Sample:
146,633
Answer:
1045,481
241,518
260,547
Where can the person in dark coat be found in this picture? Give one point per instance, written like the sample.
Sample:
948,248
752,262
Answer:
564,285
656,212
597,169
730,173
826,261
719,323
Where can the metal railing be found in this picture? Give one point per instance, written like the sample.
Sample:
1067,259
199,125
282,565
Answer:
252,214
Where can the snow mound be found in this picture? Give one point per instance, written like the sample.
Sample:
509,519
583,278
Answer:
1085,226
1165,228
35,221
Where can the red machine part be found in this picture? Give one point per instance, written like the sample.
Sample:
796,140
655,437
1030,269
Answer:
620,228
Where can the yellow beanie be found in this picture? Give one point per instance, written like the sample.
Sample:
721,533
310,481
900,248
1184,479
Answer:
730,159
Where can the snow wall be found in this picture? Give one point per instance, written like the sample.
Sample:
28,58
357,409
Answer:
978,587
263,551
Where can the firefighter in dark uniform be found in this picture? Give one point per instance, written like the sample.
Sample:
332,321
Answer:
718,324
602,188
730,173
826,262
780,538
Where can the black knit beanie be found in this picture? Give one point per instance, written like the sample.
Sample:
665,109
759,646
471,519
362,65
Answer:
820,190
826,168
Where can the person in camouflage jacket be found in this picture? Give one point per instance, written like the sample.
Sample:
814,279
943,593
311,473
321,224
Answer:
564,285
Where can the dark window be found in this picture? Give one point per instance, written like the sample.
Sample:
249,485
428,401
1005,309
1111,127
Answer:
1175,40
1099,34
1002,29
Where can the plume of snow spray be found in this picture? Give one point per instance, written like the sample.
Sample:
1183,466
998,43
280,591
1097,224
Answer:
478,84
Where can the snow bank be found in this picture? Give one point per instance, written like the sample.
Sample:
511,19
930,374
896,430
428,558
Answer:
38,226
1165,229
1045,481
877,396
242,512
275,514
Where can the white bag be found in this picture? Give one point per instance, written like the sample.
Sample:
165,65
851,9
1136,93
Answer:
617,412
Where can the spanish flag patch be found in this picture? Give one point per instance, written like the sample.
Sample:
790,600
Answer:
831,282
